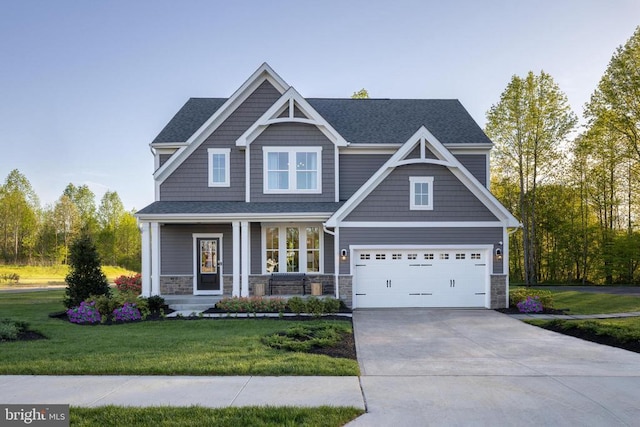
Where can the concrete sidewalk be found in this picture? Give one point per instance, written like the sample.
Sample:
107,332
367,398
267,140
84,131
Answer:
212,392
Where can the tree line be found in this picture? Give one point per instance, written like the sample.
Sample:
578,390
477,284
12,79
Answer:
574,188
31,234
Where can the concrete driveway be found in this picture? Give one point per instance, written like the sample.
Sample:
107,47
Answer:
479,367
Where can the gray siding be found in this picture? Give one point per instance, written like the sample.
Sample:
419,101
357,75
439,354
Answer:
356,169
190,181
163,158
476,164
420,236
452,201
176,247
329,254
289,135
256,248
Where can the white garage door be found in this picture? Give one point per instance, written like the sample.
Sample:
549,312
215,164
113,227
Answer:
421,277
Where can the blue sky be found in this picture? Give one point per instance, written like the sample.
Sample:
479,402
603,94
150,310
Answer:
85,86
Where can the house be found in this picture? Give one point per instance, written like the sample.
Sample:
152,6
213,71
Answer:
385,202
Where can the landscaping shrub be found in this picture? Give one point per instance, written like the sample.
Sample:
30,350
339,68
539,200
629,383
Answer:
315,306
530,305
521,294
9,329
331,305
155,303
85,277
129,284
305,337
127,313
84,313
297,305
252,305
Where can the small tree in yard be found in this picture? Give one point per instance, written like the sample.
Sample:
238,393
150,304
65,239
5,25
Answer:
85,277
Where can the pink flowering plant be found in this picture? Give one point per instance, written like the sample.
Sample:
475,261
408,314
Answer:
530,305
127,313
129,284
84,313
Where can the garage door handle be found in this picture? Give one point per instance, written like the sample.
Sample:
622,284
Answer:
481,293
452,283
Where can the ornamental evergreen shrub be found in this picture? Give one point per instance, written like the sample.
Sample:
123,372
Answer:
85,277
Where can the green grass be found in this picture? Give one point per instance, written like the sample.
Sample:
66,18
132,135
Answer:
198,416
168,347
50,275
593,303
623,333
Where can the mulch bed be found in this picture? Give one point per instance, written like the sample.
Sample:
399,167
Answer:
593,337
27,336
514,310
346,348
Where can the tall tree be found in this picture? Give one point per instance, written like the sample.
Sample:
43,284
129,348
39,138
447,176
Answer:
19,206
361,94
110,214
67,223
85,201
529,125
616,101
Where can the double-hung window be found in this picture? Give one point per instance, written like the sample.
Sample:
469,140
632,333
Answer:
292,248
292,170
219,167
421,193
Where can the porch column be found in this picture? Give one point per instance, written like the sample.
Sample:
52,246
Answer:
155,258
236,259
145,231
244,228
336,258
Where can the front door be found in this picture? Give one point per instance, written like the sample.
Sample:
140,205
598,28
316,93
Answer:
208,274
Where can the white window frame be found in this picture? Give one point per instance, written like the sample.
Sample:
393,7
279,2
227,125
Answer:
227,154
282,250
413,180
291,152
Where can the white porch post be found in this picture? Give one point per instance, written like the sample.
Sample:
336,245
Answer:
244,228
236,259
336,257
155,258
146,258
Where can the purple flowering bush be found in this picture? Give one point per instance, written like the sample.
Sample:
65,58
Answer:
84,313
530,305
127,313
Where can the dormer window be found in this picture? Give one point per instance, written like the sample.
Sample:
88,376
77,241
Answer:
219,167
421,193
292,170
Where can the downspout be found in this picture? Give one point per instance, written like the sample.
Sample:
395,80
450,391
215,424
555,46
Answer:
336,259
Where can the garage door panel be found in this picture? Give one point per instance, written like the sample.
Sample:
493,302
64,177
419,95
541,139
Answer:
421,278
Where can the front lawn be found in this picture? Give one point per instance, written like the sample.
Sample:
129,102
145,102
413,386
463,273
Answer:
30,275
165,347
198,416
575,302
623,332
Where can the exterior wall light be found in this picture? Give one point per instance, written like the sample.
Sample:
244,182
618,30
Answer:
343,254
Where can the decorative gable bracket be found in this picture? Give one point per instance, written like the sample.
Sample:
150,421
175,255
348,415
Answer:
284,111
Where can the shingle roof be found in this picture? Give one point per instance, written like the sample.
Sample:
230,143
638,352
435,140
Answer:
396,120
177,208
357,120
188,119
